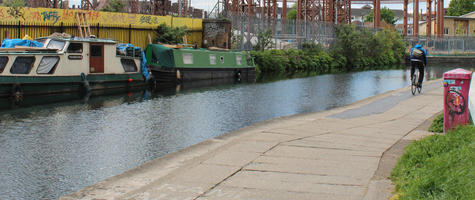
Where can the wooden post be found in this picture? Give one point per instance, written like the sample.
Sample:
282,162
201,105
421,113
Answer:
130,33
19,29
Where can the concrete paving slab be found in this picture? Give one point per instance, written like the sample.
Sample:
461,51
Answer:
239,193
232,158
286,185
308,156
320,167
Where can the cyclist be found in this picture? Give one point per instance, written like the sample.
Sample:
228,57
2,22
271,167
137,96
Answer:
419,60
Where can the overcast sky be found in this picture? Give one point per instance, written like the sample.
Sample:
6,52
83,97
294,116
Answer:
207,5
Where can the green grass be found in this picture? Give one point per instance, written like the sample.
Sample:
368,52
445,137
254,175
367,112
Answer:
437,125
438,167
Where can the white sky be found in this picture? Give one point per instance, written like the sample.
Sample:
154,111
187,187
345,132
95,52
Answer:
207,5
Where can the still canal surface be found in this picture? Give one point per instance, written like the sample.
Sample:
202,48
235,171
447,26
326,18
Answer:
51,150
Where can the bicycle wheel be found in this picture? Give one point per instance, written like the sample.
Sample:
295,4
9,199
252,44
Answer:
414,80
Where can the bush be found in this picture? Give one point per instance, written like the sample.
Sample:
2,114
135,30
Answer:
438,167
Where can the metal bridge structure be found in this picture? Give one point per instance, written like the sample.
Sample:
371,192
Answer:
335,11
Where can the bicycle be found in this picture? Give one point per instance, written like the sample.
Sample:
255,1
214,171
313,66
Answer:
414,83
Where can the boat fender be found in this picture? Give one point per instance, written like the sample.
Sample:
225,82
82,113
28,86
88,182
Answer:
238,75
17,92
85,82
178,75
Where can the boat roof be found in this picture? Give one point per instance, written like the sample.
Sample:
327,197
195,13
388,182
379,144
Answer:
78,39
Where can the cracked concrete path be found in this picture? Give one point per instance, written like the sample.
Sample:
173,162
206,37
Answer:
326,155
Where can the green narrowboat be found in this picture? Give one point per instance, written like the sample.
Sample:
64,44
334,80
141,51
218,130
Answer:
169,64
65,64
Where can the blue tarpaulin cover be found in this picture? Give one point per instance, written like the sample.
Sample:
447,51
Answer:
123,48
11,43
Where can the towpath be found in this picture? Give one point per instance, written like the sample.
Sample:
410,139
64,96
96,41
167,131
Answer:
333,154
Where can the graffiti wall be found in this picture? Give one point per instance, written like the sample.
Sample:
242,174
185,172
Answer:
55,16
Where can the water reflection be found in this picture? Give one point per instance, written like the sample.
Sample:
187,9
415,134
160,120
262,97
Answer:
54,149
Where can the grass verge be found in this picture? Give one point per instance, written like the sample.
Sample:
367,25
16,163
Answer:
438,167
437,125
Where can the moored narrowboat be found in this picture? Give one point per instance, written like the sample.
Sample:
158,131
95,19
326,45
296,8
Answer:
169,64
66,64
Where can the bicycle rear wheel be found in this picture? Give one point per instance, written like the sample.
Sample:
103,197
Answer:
414,81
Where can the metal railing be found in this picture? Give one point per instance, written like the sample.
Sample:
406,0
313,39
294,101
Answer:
445,46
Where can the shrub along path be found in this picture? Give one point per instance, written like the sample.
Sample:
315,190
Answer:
309,156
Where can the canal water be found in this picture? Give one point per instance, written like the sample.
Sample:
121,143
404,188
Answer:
50,150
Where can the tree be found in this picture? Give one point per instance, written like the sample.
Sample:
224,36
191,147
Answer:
387,15
169,35
15,7
265,40
114,6
460,7
292,14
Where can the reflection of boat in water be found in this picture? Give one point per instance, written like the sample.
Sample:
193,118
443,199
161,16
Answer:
95,99
65,64
192,86
188,64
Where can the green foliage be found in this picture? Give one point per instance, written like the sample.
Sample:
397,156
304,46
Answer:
292,15
265,40
387,15
114,6
437,125
15,8
438,167
169,35
353,50
364,50
460,7
235,40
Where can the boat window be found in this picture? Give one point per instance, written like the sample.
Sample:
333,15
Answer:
221,58
96,50
22,65
47,65
128,65
212,59
187,58
238,60
3,63
75,48
56,44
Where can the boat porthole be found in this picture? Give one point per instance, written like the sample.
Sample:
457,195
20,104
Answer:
221,58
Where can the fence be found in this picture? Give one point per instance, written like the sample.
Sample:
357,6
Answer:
123,27
124,33
447,45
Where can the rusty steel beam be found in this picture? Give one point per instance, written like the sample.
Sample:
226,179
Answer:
415,17
376,13
429,18
87,5
405,18
440,18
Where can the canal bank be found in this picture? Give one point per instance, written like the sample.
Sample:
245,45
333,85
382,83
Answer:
332,154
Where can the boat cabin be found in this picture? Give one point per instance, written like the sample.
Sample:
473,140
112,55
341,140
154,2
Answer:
67,57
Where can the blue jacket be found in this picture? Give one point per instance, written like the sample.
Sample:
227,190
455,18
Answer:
418,59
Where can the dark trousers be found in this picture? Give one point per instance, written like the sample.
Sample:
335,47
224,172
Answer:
420,66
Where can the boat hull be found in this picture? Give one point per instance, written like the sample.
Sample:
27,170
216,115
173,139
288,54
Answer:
177,75
15,86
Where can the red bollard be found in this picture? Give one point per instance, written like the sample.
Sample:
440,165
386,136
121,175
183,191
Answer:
456,87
